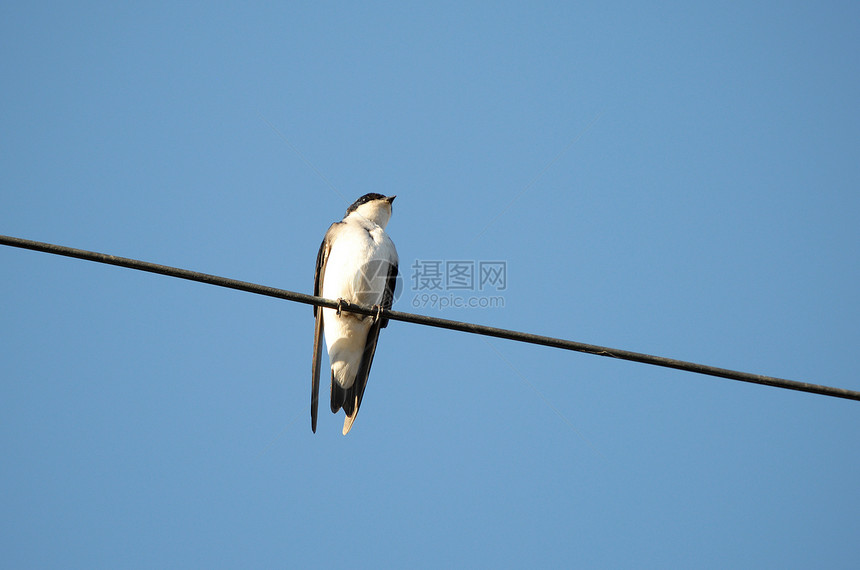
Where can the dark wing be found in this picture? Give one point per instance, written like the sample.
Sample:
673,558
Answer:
355,393
388,294
319,273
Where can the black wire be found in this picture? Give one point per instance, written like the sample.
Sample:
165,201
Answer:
431,321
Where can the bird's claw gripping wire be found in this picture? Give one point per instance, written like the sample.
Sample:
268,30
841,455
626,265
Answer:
378,314
340,303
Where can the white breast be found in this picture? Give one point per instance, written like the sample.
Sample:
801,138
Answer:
356,271
357,267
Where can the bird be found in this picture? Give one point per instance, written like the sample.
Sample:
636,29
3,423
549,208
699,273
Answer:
356,263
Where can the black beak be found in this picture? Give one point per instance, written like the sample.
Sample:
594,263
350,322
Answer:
391,199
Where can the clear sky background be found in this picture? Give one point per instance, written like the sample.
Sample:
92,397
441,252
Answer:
680,180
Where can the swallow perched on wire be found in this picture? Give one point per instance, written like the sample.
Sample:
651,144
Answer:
356,263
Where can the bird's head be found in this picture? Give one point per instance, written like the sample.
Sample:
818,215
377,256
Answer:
374,207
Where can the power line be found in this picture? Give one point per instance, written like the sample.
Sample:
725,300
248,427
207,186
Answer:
430,321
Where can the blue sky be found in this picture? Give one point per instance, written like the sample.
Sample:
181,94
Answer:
679,180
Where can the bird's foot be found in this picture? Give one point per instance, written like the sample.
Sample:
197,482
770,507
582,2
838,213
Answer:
378,314
340,303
